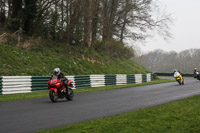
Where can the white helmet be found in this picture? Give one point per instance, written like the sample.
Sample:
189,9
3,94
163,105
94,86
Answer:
57,71
175,70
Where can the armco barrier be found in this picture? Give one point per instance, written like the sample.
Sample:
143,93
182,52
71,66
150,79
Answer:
138,78
130,79
24,84
16,84
164,74
39,83
82,81
149,78
110,79
97,80
0,85
171,74
121,79
152,75
144,78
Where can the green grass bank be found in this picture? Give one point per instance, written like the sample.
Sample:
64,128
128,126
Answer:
73,60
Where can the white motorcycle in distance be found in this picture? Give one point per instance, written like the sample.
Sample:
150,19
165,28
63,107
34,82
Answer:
178,77
197,75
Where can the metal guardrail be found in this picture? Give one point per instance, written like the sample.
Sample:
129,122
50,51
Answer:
130,79
39,83
16,84
24,84
144,78
110,79
82,81
121,79
0,85
138,78
171,74
97,80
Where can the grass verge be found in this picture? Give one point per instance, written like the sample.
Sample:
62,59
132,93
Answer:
181,116
13,97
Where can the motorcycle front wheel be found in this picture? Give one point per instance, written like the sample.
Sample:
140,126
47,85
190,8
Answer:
70,94
179,81
53,96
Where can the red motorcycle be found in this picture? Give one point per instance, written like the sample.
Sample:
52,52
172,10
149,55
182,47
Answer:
56,89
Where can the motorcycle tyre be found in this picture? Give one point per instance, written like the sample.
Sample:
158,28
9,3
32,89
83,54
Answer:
53,96
198,78
70,95
179,82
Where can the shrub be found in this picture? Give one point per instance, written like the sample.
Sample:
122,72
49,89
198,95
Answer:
118,49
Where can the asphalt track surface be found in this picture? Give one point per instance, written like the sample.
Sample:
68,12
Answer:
40,113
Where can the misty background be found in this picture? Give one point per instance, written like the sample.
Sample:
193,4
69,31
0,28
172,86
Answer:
162,61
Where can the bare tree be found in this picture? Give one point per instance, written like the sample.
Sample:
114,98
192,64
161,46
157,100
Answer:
87,22
82,22
95,21
161,61
2,13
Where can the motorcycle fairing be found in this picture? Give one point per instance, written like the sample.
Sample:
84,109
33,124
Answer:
54,89
69,82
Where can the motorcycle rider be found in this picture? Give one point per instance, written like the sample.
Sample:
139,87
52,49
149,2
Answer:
195,70
176,70
181,81
60,76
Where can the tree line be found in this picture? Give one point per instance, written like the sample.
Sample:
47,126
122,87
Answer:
83,22
166,62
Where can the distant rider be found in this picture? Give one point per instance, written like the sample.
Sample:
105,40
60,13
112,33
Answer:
195,72
60,76
176,70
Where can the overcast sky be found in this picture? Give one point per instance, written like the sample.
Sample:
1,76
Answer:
186,28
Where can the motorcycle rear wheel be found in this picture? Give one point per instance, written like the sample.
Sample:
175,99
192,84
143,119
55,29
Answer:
70,94
53,96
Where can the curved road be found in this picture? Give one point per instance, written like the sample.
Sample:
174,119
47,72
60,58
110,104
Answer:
38,114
